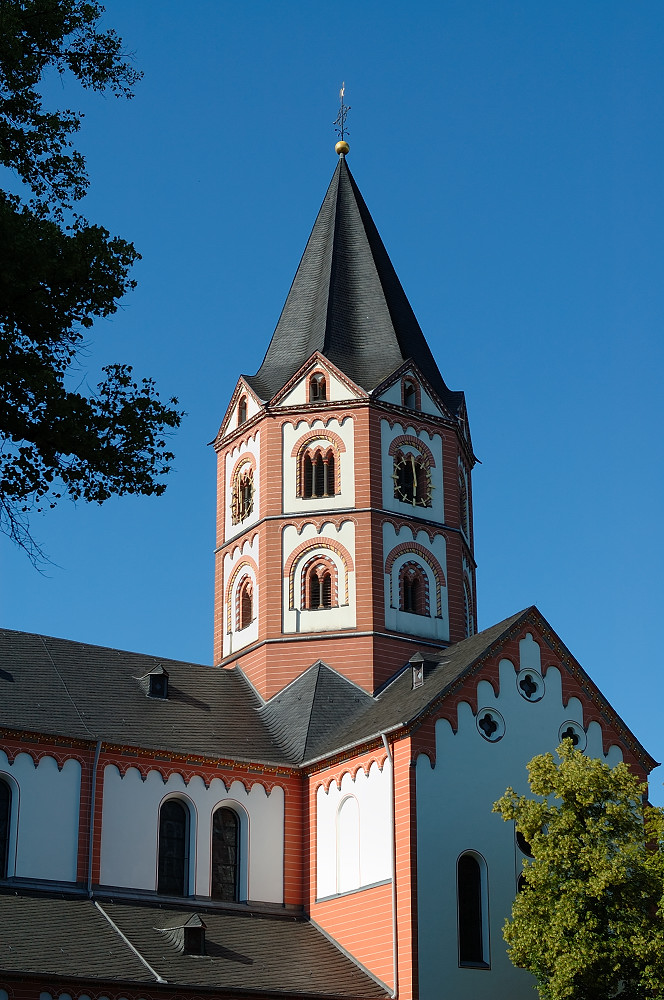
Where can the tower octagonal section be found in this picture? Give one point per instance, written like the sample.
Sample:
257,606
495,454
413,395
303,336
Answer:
344,515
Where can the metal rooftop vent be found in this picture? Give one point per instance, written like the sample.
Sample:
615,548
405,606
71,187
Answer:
187,934
417,663
155,682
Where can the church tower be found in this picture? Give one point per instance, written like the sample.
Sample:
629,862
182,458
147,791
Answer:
344,515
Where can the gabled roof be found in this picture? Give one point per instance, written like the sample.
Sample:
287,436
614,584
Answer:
70,689
347,302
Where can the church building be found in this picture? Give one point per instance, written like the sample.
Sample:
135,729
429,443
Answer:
310,816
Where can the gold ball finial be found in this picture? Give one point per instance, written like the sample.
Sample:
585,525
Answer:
342,147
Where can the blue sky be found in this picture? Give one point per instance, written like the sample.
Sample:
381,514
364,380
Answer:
512,157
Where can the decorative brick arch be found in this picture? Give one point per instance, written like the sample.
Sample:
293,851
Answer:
245,562
414,570
246,456
316,543
428,558
328,566
414,442
314,435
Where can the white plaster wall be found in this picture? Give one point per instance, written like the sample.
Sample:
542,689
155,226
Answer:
299,619
252,446
239,638
427,405
434,443
372,792
45,813
130,824
337,390
291,433
433,627
454,802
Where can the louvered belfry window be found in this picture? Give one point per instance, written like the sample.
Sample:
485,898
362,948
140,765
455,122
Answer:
5,816
225,855
173,852
318,475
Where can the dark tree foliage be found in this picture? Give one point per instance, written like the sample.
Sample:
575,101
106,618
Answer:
58,273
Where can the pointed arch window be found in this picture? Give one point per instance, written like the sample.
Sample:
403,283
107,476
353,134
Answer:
5,820
318,474
226,855
317,387
173,864
319,580
242,493
242,411
472,911
413,589
245,603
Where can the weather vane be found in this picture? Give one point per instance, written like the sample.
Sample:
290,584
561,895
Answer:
340,120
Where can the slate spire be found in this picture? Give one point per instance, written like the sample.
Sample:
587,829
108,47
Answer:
347,302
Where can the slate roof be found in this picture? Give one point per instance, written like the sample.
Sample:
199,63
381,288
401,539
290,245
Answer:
248,951
347,302
63,688
66,688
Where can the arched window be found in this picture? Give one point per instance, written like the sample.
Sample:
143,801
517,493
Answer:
243,493
412,479
464,519
319,585
245,603
318,474
317,387
471,911
172,878
469,623
5,817
409,393
348,845
413,589
242,411
226,855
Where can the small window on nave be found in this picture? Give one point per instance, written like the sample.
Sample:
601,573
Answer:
242,411
318,474
471,905
5,818
317,388
173,863
226,855
243,494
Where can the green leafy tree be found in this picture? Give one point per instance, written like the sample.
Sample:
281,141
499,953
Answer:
58,274
588,921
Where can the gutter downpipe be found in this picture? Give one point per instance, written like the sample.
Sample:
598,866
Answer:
93,799
395,953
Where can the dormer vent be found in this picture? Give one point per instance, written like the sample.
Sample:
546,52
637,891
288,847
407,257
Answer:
186,934
417,665
156,683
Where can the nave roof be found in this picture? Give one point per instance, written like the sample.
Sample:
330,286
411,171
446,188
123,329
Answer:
246,950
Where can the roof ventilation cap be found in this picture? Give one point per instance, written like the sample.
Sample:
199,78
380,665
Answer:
187,934
155,682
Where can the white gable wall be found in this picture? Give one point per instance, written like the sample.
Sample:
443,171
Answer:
454,801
